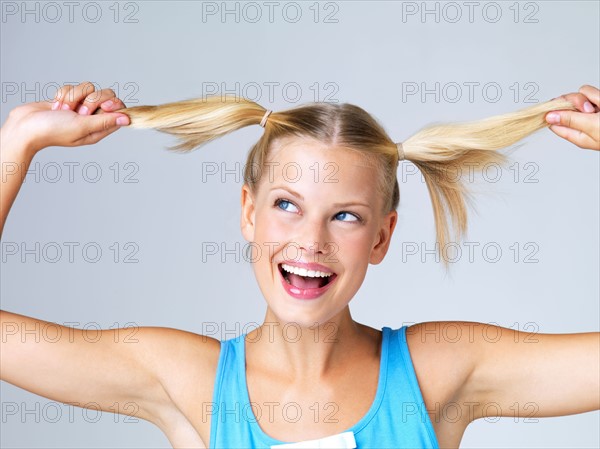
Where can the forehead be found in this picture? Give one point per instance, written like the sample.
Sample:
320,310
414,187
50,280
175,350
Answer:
313,166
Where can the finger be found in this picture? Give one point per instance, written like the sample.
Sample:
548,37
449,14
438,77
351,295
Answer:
577,99
61,93
592,93
110,105
588,123
71,96
113,104
104,122
581,139
93,101
96,127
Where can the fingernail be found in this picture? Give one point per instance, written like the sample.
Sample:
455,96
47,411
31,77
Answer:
107,104
56,105
587,107
122,121
553,117
83,110
65,107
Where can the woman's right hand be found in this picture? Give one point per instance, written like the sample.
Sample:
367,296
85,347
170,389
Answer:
70,120
580,127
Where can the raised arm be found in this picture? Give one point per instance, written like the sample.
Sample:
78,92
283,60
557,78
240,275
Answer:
539,375
156,374
488,370
66,122
15,159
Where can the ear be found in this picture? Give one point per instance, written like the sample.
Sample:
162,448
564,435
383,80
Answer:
384,238
248,210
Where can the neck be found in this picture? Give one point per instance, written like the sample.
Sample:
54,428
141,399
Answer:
311,352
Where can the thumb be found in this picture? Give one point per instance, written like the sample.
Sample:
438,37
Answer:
102,122
572,119
97,127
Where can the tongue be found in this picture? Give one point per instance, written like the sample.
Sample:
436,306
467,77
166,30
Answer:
304,282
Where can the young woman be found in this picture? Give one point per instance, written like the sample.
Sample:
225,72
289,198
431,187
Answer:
310,374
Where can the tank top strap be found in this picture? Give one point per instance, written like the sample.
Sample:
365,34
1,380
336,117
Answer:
404,398
230,415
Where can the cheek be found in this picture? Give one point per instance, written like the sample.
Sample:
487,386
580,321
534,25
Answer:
269,228
354,247
353,253
271,235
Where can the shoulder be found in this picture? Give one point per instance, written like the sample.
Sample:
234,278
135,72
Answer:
184,355
188,349
444,340
445,354
185,364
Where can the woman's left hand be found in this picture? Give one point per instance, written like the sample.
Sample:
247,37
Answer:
580,128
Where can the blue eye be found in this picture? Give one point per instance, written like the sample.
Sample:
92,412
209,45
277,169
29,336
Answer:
280,201
288,206
348,214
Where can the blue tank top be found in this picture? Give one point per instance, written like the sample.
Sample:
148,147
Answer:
396,419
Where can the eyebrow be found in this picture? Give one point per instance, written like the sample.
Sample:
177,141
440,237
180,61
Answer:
296,194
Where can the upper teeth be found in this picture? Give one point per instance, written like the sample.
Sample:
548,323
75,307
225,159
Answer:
304,271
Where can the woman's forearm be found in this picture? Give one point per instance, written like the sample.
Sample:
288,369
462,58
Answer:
34,126
15,158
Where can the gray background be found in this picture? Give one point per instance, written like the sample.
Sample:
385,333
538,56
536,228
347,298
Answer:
373,53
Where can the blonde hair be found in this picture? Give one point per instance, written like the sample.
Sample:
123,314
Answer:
436,149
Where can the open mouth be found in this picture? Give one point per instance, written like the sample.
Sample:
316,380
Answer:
305,279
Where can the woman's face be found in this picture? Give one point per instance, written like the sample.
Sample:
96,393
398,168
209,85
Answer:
314,205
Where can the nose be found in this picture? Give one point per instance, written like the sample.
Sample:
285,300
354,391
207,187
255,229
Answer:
313,238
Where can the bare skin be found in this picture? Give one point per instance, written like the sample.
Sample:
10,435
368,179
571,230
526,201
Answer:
581,127
169,374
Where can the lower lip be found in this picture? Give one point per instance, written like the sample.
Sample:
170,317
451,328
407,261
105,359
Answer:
309,293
